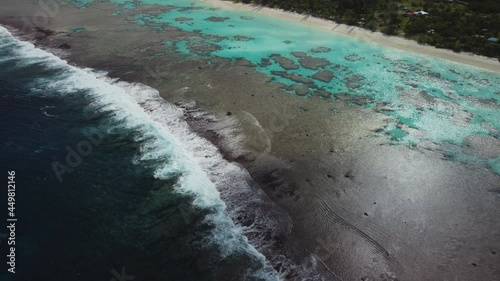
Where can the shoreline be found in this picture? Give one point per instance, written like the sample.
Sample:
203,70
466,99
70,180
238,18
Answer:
396,42
344,187
265,220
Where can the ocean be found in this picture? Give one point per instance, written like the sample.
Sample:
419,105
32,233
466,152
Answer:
111,181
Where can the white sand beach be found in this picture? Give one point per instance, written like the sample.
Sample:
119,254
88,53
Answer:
490,64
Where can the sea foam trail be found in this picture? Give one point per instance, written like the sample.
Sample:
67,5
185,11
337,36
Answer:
196,163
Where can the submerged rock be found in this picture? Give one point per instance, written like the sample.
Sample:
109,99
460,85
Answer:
183,19
243,38
299,54
265,62
189,8
247,18
300,90
353,82
293,77
324,75
217,19
321,50
202,48
323,93
243,62
313,63
354,57
286,63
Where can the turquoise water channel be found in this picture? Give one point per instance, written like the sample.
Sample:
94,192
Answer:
430,100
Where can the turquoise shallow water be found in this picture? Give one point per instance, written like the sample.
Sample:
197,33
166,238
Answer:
429,100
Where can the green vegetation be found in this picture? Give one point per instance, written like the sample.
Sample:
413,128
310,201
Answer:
456,25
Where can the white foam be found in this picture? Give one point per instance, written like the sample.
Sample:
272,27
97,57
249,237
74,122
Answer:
44,111
201,168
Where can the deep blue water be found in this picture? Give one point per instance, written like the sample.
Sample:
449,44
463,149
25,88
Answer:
87,224
131,205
